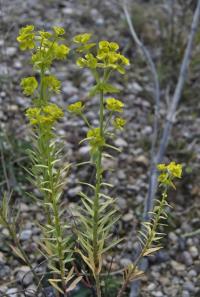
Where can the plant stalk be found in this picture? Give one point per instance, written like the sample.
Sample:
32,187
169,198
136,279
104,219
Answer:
96,200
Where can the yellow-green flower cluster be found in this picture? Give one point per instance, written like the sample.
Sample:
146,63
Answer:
76,107
82,41
46,115
169,172
89,61
26,38
95,139
114,105
52,83
119,123
46,46
59,30
82,38
29,85
106,56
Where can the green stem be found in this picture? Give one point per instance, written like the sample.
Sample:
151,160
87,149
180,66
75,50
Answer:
86,120
43,141
96,200
57,223
47,158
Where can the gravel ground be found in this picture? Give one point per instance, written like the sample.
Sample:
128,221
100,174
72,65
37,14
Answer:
175,270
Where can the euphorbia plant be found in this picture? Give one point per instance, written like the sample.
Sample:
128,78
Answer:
45,173
98,213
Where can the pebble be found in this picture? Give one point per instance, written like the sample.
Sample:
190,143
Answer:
18,65
120,142
185,293
2,258
122,203
68,10
12,292
128,217
30,290
4,271
11,51
121,174
74,191
189,286
157,294
173,237
84,150
136,88
192,273
151,287
24,275
142,160
177,266
194,251
26,235
162,256
125,262
187,258
69,89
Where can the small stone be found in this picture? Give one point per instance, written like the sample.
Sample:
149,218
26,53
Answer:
84,150
147,130
3,288
157,294
189,286
185,293
69,90
13,108
12,292
68,11
99,21
128,217
177,266
142,160
121,174
120,142
194,251
187,258
136,87
74,191
23,207
173,237
125,262
192,273
2,258
26,235
24,275
11,51
175,280
151,287
121,202
17,65
4,271
162,256
31,290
